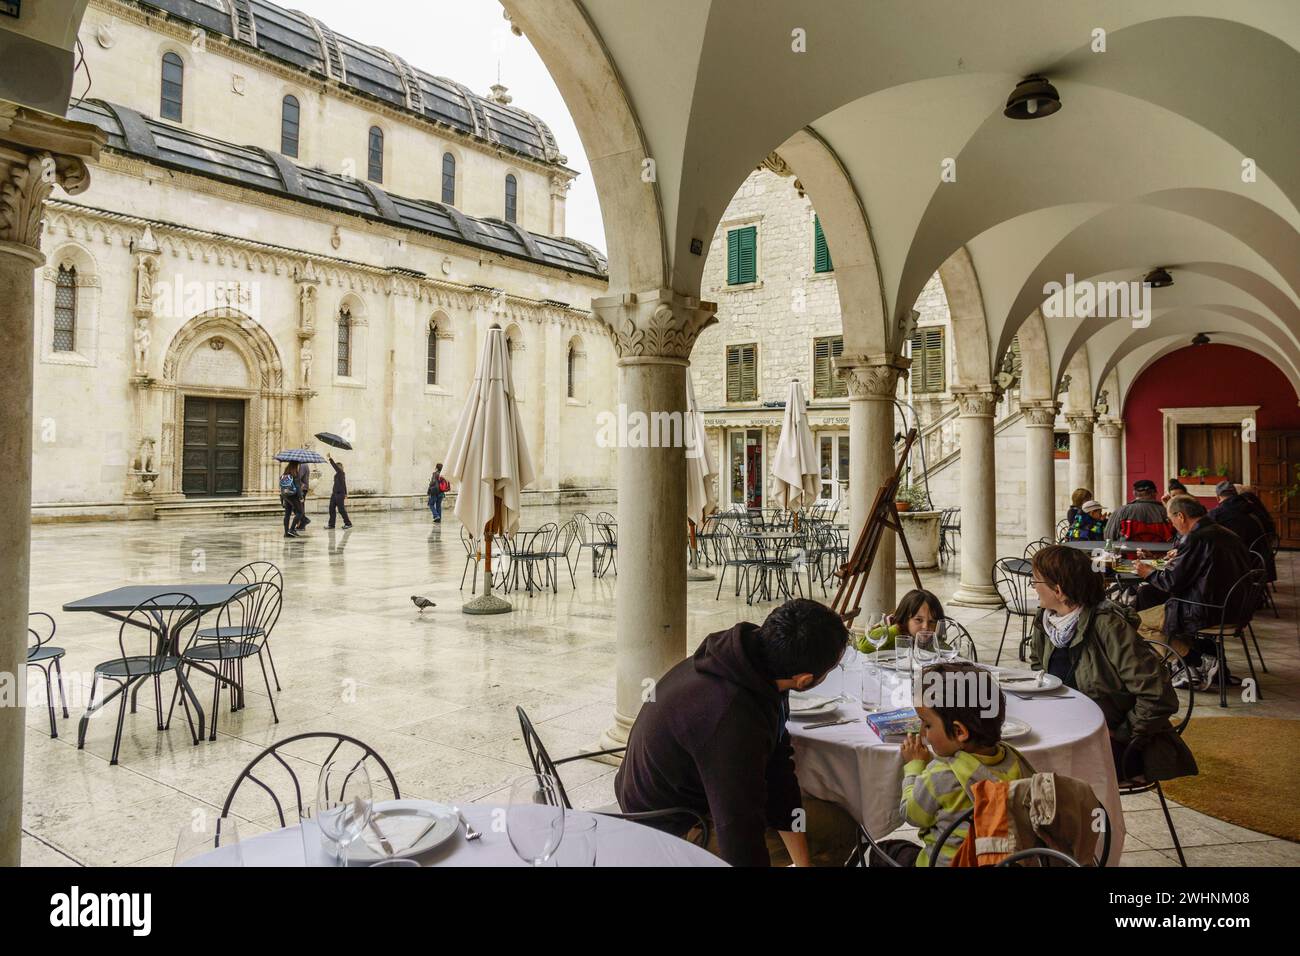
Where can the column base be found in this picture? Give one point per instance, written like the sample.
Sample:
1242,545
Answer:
487,604
616,734
974,595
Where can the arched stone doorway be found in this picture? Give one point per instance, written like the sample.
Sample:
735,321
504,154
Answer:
224,365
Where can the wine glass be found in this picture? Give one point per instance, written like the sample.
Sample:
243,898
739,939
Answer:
579,845
344,803
945,642
208,834
535,817
850,664
875,637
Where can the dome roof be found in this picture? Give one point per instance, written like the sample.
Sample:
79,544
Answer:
308,44
161,143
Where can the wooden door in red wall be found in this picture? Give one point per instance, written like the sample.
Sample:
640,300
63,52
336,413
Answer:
1278,457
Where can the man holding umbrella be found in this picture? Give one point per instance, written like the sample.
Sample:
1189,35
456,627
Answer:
339,493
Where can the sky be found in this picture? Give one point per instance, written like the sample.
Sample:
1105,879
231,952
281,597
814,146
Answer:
466,41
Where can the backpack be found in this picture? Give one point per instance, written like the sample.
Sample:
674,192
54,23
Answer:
443,484
288,486
1133,530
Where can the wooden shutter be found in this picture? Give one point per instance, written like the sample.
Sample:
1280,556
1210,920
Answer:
927,360
821,254
733,374
826,379
742,261
733,258
749,372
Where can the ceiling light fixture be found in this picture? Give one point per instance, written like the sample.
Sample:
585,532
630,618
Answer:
1200,338
1033,98
1158,278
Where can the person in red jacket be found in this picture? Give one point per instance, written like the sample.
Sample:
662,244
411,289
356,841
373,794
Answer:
713,737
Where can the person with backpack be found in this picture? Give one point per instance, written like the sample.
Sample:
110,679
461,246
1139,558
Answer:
290,498
1142,519
438,488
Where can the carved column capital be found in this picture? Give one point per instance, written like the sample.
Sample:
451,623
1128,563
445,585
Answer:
977,402
1040,413
1109,428
1080,422
38,152
660,324
872,376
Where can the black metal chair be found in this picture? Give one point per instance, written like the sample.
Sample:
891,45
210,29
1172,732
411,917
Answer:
605,552
528,549
1062,530
1234,616
1033,547
271,759
1013,586
43,655
1047,855
472,556
737,554
1262,599
1172,663
255,572
170,620
247,619
586,534
1261,546
868,853
949,532
562,547
937,848
543,763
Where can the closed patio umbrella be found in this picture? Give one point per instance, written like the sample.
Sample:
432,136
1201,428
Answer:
795,463
488,461
701,493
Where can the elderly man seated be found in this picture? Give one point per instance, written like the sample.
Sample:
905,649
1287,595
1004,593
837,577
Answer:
1211,559
1240,515
1142,519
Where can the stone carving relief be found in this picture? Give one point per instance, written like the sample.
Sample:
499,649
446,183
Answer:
1040,414
304,364
142,337
872,379
975,404
25,183
668,330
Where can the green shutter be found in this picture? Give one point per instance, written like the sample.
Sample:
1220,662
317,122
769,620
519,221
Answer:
821,254
733,257
742,256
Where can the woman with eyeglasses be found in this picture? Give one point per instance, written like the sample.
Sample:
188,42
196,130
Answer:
1092,644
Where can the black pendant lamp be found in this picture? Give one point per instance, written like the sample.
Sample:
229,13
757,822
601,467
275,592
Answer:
1032,98
1158,278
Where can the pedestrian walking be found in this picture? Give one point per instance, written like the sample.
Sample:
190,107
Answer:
290,499
438,488
339,495
304,486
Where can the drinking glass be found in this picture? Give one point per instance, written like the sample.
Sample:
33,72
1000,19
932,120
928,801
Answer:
535,817
850,665
875,636
344,803
945,642
207,833
579,845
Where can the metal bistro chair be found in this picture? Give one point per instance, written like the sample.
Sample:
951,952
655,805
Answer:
542,763
272,760
605,553
170,620
254,572
1172,663
251,614
1043,852
1033,547
1261,546
949,532
532,548
1012,583
562,547
472,556
1062,530
736,553
706,537
1234,617
42,655
1262,598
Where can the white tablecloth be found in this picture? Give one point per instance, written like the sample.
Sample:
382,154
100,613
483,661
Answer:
850,766
618,843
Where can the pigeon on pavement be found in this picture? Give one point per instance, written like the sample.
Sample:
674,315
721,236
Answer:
422,603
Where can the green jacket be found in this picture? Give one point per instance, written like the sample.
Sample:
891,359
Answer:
1115,667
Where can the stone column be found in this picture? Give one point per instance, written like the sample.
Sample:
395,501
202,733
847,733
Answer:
872,381
978,498
653,334
1040,470
36,153
1081,450
1110,463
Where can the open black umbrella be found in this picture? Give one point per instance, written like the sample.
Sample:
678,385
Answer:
299,454
337,441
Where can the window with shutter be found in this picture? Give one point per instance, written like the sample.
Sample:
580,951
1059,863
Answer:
431,361
826,378
742,373
742,256
821,254
928,364
65,310
173,87
345,343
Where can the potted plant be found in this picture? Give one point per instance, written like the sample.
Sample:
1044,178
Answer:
921,525
911,497
1184,472
1062,449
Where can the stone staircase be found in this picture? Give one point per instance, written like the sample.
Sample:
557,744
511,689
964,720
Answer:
942,437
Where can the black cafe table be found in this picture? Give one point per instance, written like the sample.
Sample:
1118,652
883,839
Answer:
119,602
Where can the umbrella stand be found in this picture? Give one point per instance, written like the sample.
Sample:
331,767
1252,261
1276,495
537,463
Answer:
694,572
487,602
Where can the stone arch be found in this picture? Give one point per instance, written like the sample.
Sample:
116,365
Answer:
616,147
71,254
575,375
437,332
262,389
1035,361
970,329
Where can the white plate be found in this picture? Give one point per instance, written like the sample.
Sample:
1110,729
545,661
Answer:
812,706
401,821
1007,682
1013,728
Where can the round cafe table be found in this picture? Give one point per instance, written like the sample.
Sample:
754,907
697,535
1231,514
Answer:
618,843
849,765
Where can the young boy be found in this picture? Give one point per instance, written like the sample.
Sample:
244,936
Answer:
964,728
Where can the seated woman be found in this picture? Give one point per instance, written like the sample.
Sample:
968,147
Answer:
1092,645
1089,524
917,611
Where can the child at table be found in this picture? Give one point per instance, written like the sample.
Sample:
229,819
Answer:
966,736
917,611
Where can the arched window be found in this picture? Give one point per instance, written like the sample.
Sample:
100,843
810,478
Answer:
289,126
65,310
345,342
449,179
376,155
512,199
431,361
577,370
173,87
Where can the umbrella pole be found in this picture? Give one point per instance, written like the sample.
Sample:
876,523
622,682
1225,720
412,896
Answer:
693,570
487,602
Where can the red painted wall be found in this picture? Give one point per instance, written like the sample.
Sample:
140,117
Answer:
1197,376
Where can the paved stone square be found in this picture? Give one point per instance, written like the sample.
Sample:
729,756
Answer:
434,693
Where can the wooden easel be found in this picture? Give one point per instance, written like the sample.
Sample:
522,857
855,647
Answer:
853,573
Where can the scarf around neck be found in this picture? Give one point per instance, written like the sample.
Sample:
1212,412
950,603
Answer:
1060,627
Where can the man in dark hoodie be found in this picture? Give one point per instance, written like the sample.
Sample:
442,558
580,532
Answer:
713,738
